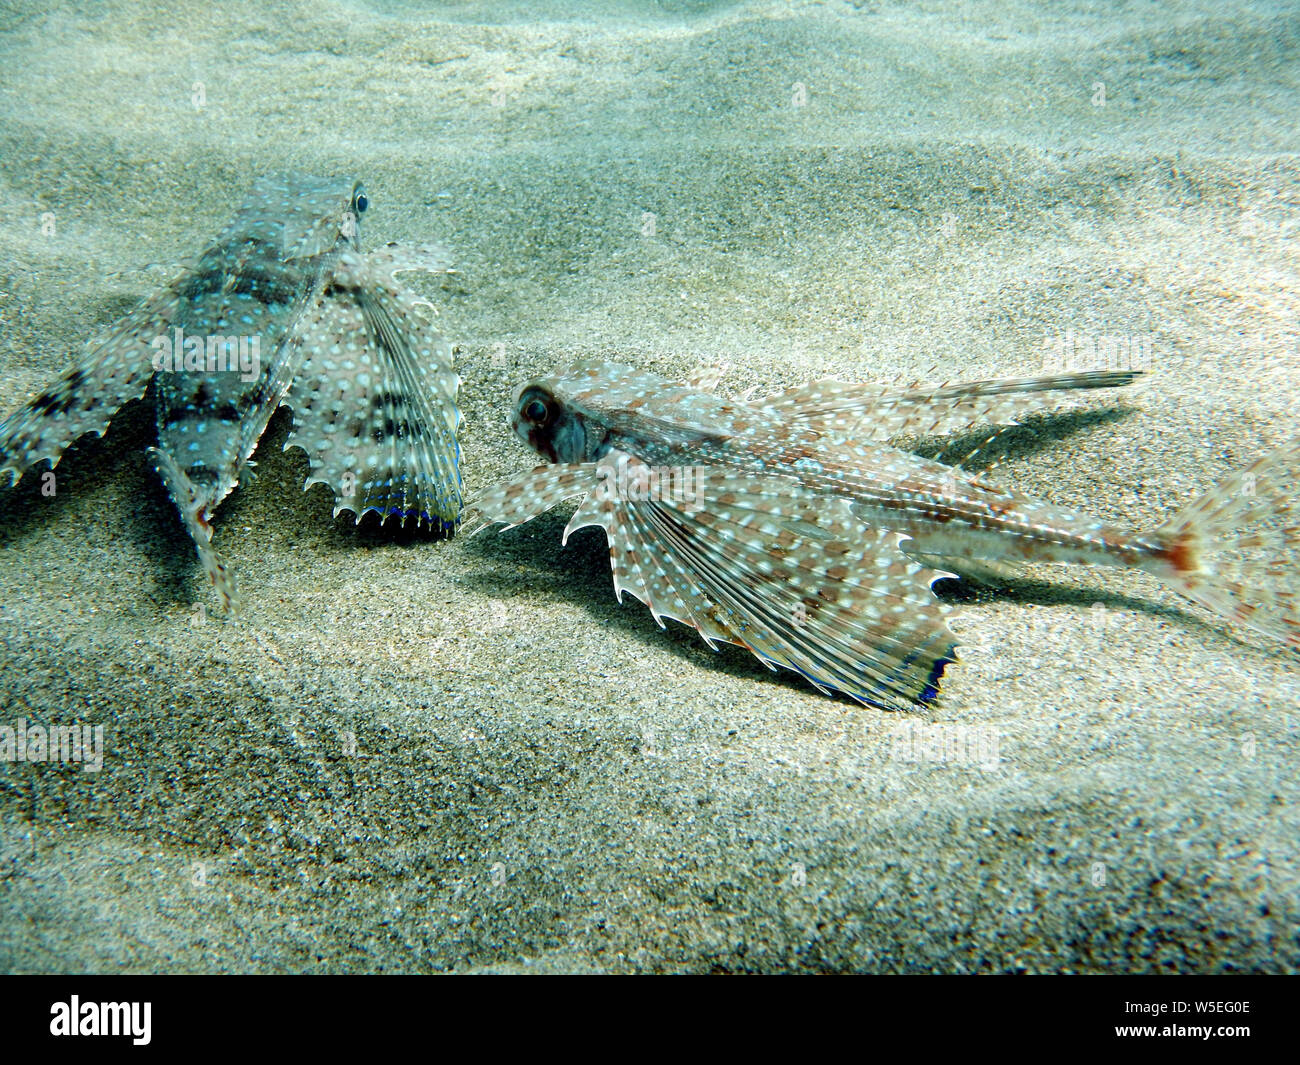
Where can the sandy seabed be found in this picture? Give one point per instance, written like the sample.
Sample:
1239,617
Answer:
420,755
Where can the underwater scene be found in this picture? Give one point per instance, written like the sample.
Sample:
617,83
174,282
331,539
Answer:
649,487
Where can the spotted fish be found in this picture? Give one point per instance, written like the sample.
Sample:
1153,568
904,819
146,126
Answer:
791,526
284,308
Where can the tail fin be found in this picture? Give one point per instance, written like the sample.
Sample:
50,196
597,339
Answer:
194,514
1236,549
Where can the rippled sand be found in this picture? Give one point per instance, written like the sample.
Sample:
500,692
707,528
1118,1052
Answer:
424,755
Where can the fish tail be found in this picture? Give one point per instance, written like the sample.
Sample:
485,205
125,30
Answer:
193,513
1236,549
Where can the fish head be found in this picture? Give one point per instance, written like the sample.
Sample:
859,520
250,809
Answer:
339,226
554,429
594,406
301,216
358,204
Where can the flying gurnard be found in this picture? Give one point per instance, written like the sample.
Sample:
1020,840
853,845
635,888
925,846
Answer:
284,308
790,525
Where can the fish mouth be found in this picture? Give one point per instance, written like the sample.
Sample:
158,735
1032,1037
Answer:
533,436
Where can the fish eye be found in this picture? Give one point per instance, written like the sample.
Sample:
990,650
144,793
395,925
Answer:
535,411
360,202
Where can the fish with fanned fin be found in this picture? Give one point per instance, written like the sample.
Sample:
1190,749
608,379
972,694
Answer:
284,308
791,526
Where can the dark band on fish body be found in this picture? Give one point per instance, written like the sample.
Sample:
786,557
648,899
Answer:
54,402
268,282
391,428
62,397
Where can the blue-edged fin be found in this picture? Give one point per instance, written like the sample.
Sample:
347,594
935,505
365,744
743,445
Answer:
758,562
374,395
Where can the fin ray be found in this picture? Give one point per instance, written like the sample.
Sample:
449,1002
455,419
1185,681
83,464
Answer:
858,413
512,503
88,395
1236,549
374,399
768,565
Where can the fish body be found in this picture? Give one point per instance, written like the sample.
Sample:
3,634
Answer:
284,307
942,509
809,538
